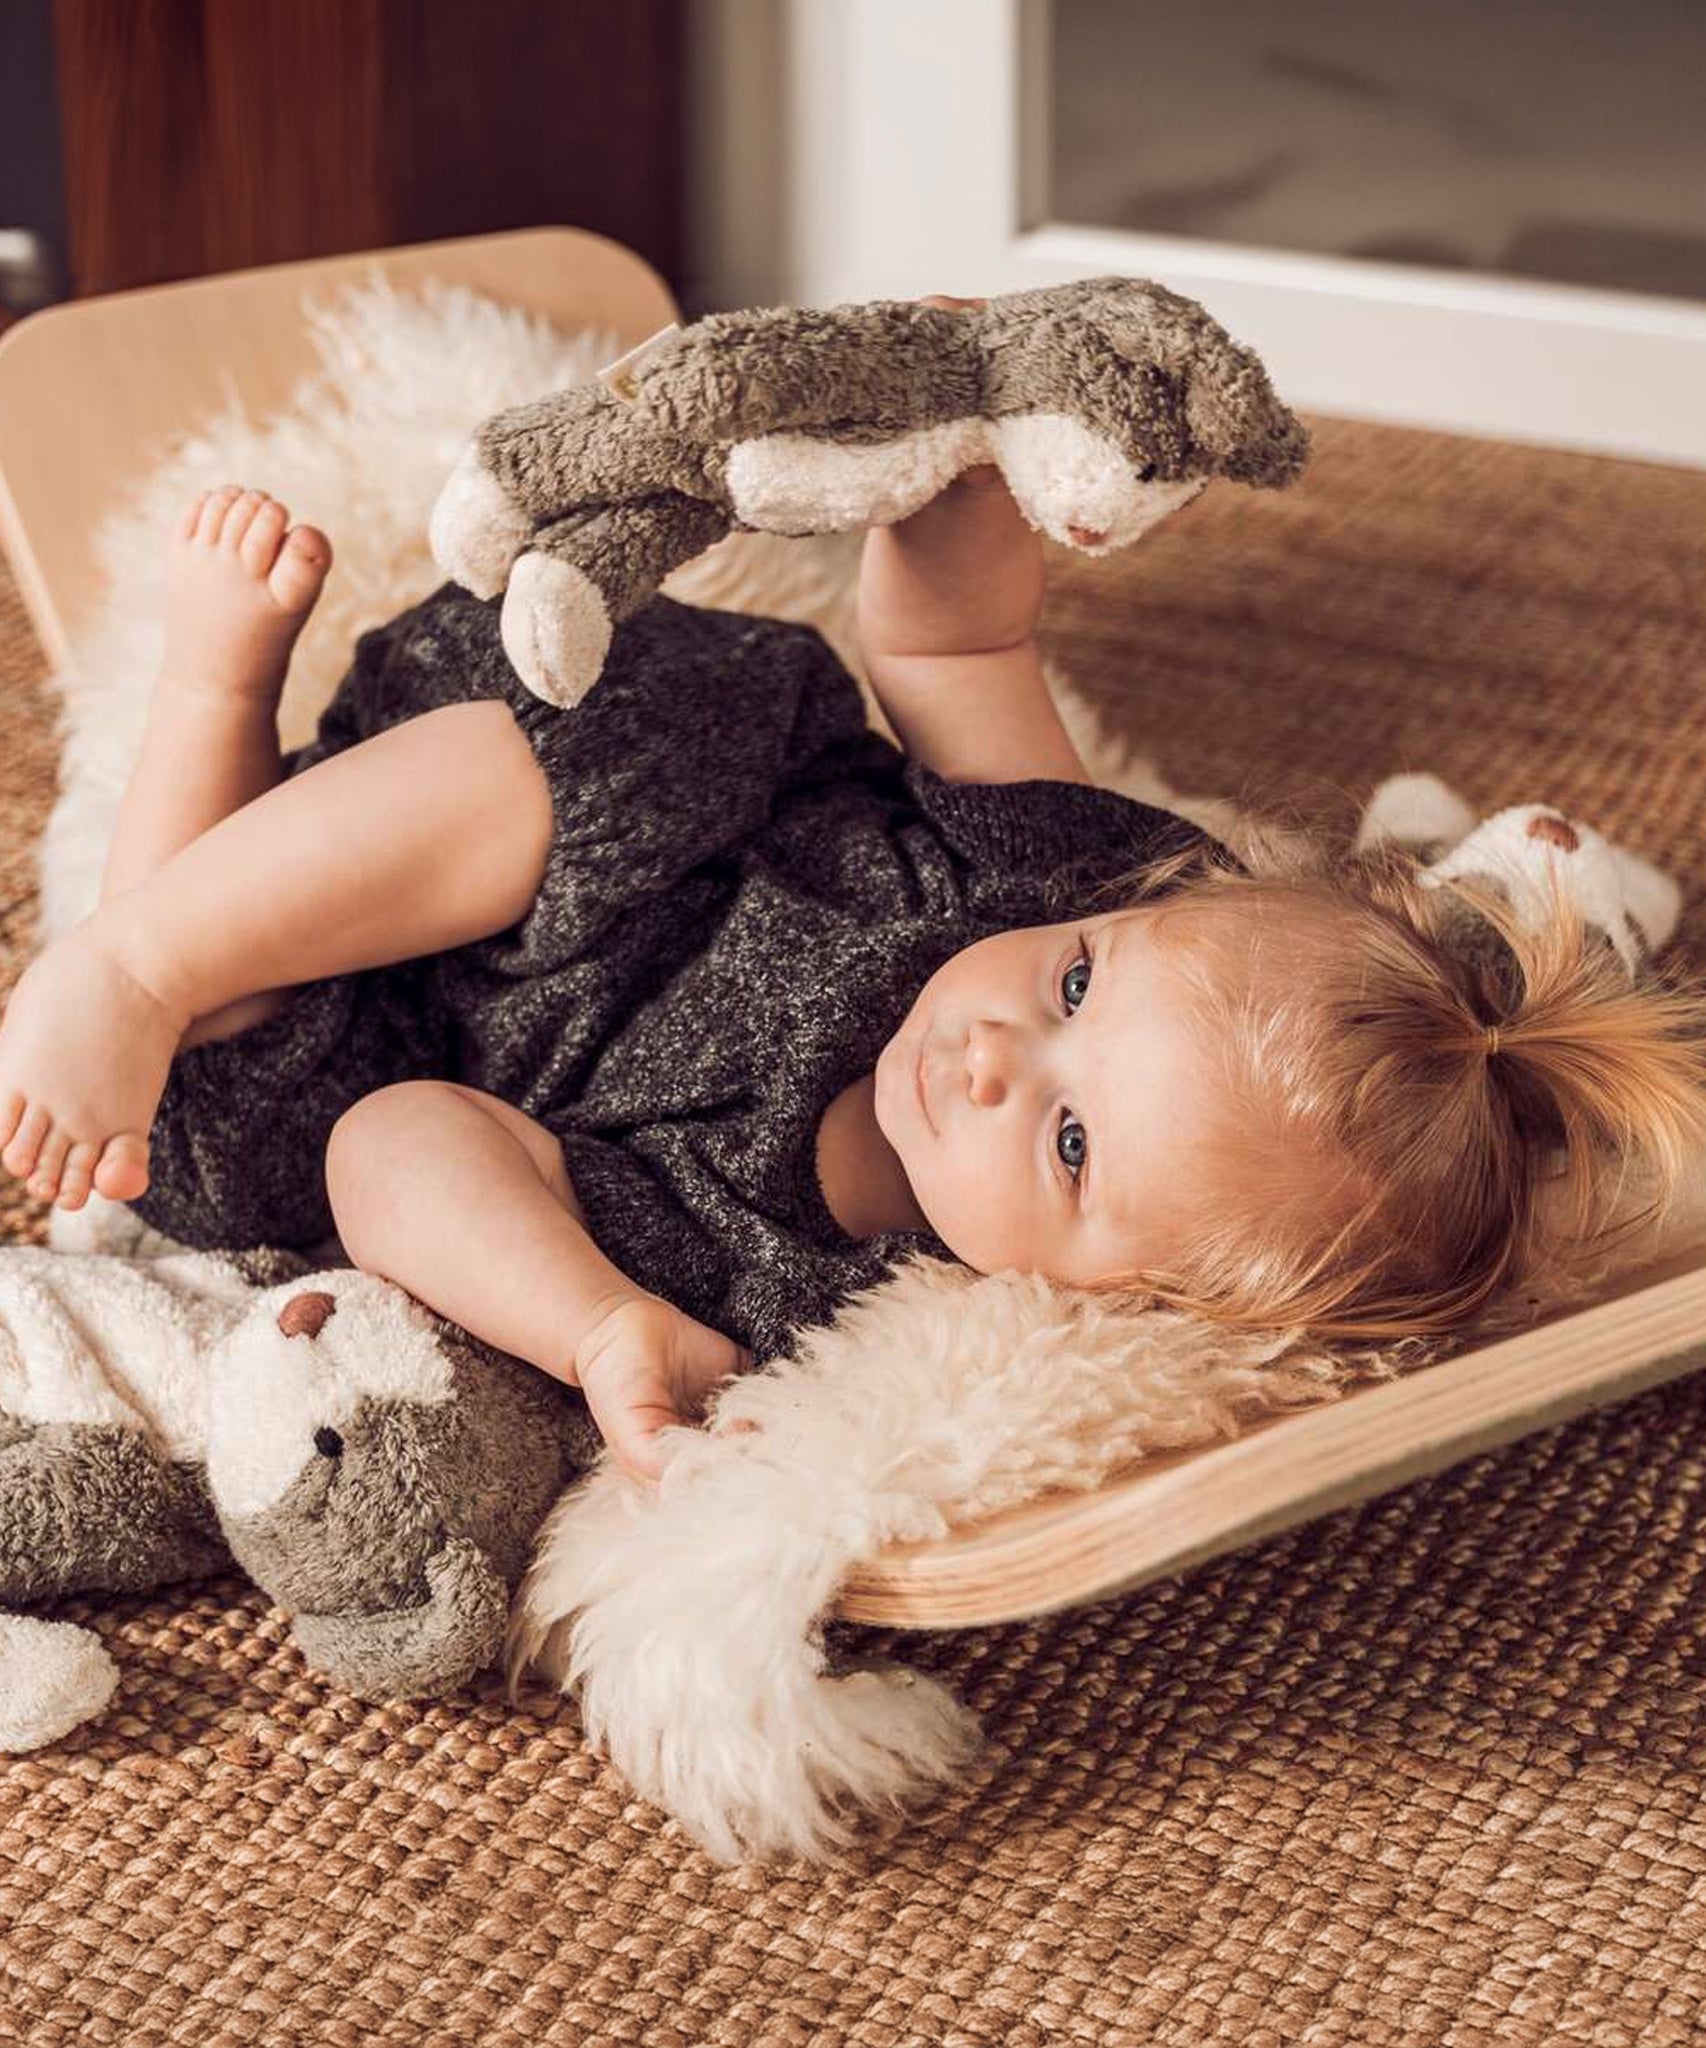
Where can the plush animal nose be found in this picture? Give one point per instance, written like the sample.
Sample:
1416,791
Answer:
1556,831
1088,536
304,1315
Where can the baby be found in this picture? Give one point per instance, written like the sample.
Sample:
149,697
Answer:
633,1037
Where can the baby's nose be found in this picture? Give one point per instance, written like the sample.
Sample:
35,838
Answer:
987,1064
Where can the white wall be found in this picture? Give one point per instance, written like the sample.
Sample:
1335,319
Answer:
851,149
839,148
738,227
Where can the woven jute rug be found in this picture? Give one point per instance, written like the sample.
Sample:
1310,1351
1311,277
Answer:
1429,1771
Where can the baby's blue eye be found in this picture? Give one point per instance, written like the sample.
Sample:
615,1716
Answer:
1071,1142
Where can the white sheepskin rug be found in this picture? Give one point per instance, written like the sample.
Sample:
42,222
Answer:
687,1616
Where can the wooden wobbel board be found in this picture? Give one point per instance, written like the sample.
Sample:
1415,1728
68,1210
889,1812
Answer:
88,391
1180,1508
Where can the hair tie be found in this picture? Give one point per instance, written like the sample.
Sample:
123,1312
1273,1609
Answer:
1492,1040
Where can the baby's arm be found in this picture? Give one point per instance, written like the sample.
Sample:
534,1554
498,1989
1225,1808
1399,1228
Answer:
947,615
465,1201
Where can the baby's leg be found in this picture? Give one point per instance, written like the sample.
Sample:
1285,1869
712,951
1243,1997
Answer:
239,589
465,1201
426,836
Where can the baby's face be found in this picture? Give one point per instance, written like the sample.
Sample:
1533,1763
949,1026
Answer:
1047,1097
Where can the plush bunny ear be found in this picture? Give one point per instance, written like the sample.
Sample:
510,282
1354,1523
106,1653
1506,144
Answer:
1235,418
1415,809
1234,424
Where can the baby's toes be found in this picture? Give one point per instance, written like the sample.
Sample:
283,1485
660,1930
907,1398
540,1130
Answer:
239,519
79,1174
19,1154
259,546
121,1172
13,1103
301,568
212,515
190,518
49,1166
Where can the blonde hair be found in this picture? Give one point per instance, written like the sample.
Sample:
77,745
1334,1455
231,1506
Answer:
1446,1119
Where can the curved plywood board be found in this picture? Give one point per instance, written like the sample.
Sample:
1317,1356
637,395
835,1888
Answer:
1174,1510
90,389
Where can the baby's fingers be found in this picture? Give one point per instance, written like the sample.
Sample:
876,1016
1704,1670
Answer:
628,1420
644,1455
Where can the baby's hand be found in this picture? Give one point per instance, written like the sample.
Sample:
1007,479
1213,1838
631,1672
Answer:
984,476
645,1367
964,573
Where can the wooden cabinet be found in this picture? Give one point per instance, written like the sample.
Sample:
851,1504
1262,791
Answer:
210,135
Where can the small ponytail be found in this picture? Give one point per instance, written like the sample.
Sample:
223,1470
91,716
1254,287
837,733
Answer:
1610,1071
1467,1085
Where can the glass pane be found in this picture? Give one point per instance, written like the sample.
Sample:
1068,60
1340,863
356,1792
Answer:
1561,139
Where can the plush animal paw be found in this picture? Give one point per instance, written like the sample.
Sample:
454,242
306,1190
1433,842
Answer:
476,530
1415,809
556,628
53,1677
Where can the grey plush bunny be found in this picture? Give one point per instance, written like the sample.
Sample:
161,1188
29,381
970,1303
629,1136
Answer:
1106,404
375,1470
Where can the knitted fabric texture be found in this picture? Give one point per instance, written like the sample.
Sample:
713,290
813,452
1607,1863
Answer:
744,892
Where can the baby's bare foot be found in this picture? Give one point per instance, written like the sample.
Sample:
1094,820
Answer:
239,589
85,1049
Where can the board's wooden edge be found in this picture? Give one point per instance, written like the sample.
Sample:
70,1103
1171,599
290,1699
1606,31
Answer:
1176,1511
26,573
573,276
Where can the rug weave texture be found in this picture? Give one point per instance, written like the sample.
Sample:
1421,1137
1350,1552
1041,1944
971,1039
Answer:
1429,1771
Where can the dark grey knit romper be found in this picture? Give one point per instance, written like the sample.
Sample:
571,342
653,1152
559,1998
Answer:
745,890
